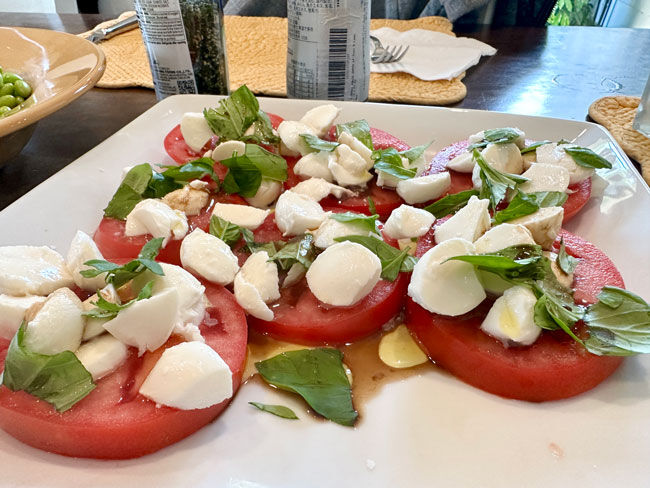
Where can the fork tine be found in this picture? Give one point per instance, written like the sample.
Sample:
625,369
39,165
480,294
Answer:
401,55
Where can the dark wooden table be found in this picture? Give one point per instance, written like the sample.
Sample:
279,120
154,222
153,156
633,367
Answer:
555,71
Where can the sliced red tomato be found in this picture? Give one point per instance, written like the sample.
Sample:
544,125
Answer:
114,421
181,153
463,181
113,243
554,367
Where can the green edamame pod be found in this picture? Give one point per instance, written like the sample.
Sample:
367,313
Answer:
8,101
9,77
19,100
7,89
22,89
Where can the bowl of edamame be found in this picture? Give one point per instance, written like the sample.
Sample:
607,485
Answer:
41,71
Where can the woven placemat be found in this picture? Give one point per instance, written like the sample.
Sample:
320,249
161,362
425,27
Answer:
257,48
616,114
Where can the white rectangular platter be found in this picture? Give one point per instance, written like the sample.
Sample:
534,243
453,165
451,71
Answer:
427,430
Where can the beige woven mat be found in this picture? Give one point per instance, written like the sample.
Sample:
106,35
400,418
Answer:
257,48
616,114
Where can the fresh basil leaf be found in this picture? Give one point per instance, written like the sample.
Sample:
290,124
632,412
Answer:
254,246
318,376
192,170
550,313
371,205
521,264
367,222
392,260
534,146
450,204
245,172
527,203
414,153
107,310
234,114
566,262
495,183
619,323
224,230
130,192
587,158
272,166
59,379
277,410
359,129
316,144
299,250
262,131
504,135
389,161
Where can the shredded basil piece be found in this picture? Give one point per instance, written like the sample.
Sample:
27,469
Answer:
504,135
224,230
586,157
59,379
318,376
359,129
299,250
316,144
371,206
450,204
245,172
277,410
392,260
495,184
534,146
565,261
389,161
528,203
254,246
107,310
192,170
367,222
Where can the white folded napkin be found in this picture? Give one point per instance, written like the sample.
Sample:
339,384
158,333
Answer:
432,55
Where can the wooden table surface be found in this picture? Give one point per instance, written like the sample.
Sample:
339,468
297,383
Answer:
555,71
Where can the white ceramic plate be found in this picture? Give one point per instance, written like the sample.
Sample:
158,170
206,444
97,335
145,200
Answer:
428,430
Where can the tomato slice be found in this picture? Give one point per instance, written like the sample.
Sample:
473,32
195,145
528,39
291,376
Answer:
463,181
113,422
181,153
554,367
113,243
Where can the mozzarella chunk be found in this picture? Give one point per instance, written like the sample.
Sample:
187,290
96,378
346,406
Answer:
295,213
256,284
330,229
469,223
357,146
343,274
349,169
390,181
480,136
502,236
545,177
321,118
448,288
406,221
95,326
227,149
565,279
155,217
544,224
242,215
250,299
102,355
209,257
147,323
188,376
556,155
475,138
266,194
57,326
188,199
424,188
504,157
82,249
318,188
195,130
13,311
511,318
477,183
529,159
290,131
316,165
296,273
32,270
463,163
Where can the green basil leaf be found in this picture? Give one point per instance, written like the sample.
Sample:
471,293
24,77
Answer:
414,153
107,310
277,410
299,250
245,172
504,135
359,129
566,262
192,170
389,161
367,222
272,166
450,204
619,323
527,203
371,206
318,376
534,146
254,246
521,264
59,379
587,158
224,230
316,144
262,131
130,192
160,185
392,260
495,183
234,115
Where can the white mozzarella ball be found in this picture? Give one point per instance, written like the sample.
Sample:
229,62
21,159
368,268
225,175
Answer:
504,157
463,163
316,165
228,149
196,131
32,270
545,177
57,326
321,118
357,146
209,257
155,217
349,169
330,229
267,193
447,288
249,299
424,188
102,355
290,132
406,221
511,318
318,188
242,215
188,376
544,224
262,274
13,311
469,223
295,213
343,274
556,155
82,249
502,236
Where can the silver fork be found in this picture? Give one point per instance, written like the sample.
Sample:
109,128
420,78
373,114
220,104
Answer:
388,54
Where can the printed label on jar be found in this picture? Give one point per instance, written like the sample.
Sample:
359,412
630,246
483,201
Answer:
163,32
328,54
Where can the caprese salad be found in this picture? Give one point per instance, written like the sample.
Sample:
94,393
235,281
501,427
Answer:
313,233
